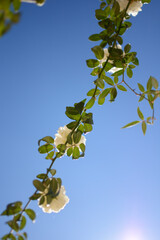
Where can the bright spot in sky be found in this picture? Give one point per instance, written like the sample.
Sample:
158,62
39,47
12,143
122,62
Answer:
133,236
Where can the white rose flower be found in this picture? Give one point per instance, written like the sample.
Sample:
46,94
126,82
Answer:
134,7
61,138
57,204
106,55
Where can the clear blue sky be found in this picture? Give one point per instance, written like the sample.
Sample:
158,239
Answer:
115,189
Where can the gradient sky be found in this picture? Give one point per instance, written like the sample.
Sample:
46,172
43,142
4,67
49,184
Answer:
115,190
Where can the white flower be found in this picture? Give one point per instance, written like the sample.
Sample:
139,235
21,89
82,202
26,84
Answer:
106,55
57,203
61,138
134,7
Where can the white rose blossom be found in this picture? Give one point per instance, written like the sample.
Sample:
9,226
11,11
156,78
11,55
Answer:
106,55
61,138
57,204
134,7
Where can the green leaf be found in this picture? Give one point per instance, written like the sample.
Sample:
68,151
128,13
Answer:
98,51
61,148
141,88
23,222
129,72
25,235
9,236
20,237
100,14
105,93
41,176
41,201
82,147
53,187
69,152
76,153
116,79
127,48
90,103
144,127
77,136
131,124
45,148
122,88
94,37
101,100
154,82
99,82
13,224
149,84
87,118
47,139
50,155
108,80
72,125
38,185
52,171
72,110
87,127
92,63
113,94
30,213
35,196
12,208
91,92
80,106
146,1
16,4
140,114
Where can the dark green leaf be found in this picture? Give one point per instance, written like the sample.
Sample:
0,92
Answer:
87,118
23,222
80,106
38,185
12,208
41,201
30,213
61,147
72,125
77,136
100,14
13,224
127,48
47,139
35,196
94,37
113,94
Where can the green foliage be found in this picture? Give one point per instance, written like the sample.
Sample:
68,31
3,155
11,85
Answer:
12,208
30,213
45,148
131,124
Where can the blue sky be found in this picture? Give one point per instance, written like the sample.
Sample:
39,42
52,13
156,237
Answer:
115,188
